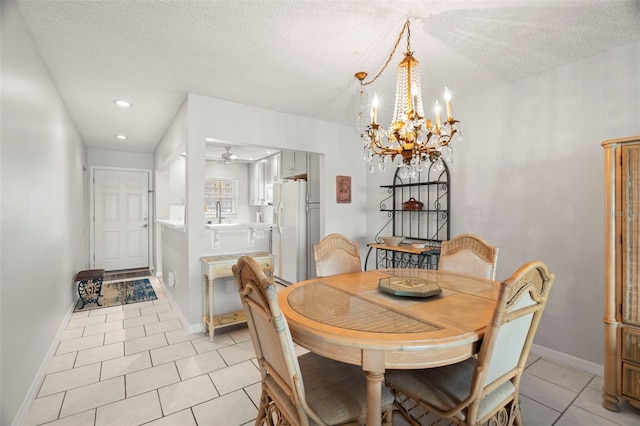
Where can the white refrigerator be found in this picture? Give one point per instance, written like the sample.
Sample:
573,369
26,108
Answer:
290,244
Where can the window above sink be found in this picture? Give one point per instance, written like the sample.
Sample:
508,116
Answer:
224,191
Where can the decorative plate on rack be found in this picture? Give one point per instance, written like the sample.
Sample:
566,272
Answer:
409,286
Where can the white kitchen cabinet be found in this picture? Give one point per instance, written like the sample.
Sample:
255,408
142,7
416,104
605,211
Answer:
293,164
313,178
303,165
313,236
257,183
272,171
262,175
272,175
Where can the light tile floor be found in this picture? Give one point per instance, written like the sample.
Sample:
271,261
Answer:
134,365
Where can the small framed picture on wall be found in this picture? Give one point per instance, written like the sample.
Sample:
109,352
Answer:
343,189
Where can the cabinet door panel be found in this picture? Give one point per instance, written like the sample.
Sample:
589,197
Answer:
630,216
287,163
293,163
631,380
313,178
631,344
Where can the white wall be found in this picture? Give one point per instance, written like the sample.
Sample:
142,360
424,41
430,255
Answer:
208,117
174,140
121,159
173,257
528,177
42,230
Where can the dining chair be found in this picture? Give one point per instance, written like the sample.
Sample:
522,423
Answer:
336,254
469,254
483,388
309,389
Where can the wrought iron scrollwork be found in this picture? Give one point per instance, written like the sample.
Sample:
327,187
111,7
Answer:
429,225
399,259
90,290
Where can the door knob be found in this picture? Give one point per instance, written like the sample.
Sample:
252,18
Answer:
144,226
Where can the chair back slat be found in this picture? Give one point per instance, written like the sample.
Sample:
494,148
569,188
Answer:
336,254
469,254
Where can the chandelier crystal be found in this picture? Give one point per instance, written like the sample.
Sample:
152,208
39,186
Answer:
412,141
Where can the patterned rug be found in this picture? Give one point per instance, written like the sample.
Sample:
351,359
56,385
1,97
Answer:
121,293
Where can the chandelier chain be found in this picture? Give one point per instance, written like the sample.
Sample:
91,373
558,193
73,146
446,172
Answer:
395,47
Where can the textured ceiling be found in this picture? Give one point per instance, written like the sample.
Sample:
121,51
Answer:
297,56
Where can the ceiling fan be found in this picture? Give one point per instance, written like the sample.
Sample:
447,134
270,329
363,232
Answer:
226,157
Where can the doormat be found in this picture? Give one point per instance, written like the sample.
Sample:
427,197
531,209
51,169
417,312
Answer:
121,293
126,273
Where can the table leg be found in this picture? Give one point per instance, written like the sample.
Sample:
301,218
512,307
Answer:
374,398
205,314
373,366
211,327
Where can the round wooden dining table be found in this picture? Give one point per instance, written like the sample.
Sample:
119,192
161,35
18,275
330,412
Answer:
349,318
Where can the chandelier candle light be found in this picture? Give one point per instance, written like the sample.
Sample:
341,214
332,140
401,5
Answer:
411,140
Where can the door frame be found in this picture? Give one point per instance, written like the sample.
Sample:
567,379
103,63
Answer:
92,213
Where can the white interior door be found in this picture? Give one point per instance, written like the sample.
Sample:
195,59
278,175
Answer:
121,219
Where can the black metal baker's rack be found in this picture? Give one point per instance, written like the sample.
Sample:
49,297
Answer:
429,225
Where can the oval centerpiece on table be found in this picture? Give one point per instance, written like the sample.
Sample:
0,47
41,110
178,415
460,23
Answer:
409,286
412,204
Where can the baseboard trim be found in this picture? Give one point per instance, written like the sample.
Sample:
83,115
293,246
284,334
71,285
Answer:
189,328
568,360
195,328
27,402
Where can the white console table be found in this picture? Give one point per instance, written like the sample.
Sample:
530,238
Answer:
220,266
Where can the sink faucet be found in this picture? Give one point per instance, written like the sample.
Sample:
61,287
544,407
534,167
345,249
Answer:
219,211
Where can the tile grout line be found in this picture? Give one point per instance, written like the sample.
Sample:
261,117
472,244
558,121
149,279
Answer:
573,401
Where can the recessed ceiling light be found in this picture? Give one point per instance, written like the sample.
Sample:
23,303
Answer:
121,137
122,103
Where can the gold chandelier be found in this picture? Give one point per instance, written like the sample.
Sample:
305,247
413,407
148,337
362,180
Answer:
412,140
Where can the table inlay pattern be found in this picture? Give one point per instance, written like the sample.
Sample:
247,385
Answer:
331,306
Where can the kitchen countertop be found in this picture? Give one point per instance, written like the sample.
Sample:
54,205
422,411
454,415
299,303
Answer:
178,224
221,226
175,224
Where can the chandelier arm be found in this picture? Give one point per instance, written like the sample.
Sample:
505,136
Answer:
379,149
395,47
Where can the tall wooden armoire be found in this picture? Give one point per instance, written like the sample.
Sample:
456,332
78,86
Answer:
622,273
